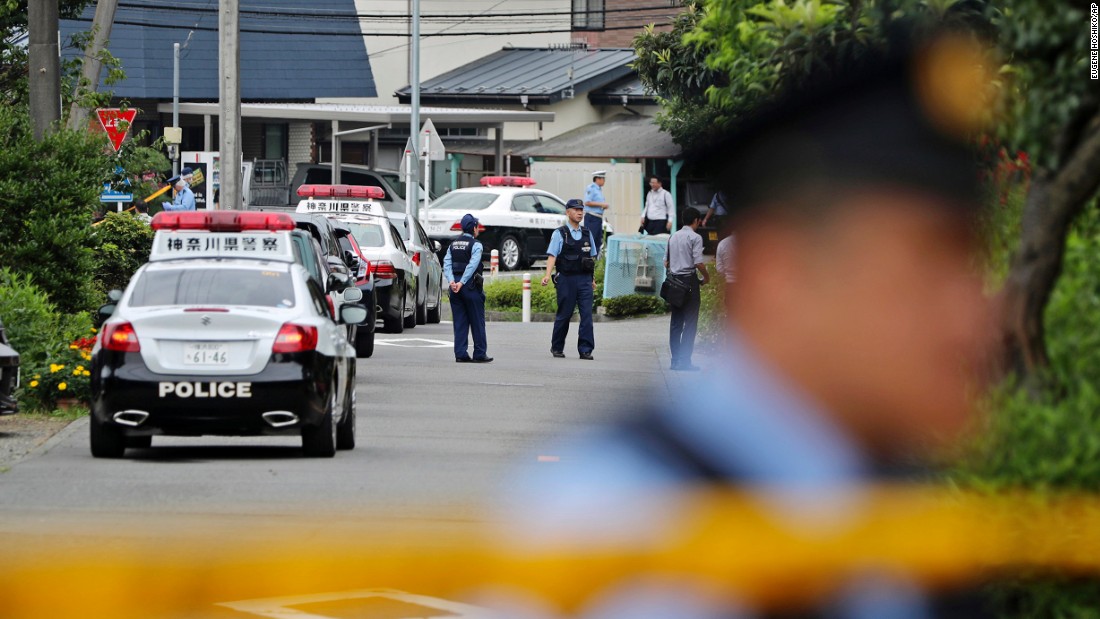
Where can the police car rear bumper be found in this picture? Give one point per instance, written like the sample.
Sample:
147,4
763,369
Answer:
138,402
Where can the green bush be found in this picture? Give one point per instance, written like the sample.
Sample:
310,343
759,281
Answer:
712,311
506,295
42,336
635,305
48,191
122,244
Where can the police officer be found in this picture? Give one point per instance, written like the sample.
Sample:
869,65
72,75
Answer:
856,342
185,198
462,269
595,206
573,251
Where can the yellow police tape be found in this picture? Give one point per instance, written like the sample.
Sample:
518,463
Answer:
727,544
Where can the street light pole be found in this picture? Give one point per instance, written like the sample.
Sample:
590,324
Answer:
176,103
229,55
414,114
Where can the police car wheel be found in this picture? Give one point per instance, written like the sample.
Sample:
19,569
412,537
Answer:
435,314
345,432
410,320
319,441
421,312
139,442
364,344
106,441
511,254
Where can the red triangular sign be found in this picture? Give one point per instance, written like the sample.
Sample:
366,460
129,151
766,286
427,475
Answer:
109,119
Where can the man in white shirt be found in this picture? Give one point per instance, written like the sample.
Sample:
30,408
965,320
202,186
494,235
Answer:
684,260
724,258
657,216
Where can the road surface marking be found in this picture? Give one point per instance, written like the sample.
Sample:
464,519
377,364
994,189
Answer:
413,342
281,606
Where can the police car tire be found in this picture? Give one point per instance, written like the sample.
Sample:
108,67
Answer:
422,311
435,315
519,259
106,441
345,431
319,441
139,442
410,320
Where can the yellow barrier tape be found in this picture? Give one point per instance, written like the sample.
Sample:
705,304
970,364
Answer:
727,542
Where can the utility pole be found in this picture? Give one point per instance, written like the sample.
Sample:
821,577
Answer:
45,67
229,76
101,28
176,105
414,115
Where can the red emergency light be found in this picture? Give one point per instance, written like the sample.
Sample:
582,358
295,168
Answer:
341,191
506,181
222,221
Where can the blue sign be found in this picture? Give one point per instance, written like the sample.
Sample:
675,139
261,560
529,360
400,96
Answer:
116,196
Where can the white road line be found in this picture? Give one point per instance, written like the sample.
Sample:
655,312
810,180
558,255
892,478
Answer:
413,342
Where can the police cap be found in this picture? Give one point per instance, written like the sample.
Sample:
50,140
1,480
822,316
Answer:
574,203
469,222
905,119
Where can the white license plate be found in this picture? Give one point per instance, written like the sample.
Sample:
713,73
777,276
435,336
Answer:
206,354
437,228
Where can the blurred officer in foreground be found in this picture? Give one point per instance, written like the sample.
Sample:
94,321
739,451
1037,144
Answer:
573,251
462,270
855,338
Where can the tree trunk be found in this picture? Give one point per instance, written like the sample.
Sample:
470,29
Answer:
1053,201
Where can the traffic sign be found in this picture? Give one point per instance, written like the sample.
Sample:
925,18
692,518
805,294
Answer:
436,150
109,119
116,196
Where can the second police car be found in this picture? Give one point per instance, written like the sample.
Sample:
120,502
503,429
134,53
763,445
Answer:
224,332
515,218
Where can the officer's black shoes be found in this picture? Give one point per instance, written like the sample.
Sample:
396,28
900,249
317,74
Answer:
483,360
463,360
586,355
557,353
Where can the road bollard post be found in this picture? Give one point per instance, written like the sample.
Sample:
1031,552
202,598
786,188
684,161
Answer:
526,297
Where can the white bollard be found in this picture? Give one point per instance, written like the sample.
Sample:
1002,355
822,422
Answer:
494,262
526,297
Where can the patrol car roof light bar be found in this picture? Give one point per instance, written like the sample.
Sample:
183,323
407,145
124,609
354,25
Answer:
222,221
507,181
368,192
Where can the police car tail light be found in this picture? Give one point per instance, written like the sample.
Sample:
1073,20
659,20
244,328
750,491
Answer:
457,227
341,191
295,338
120,337
222,221
383,270
506,181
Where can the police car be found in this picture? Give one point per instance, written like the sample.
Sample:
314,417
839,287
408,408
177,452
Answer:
392,264
515,219
224,332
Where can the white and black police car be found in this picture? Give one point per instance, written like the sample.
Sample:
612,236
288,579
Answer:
223,332
514,218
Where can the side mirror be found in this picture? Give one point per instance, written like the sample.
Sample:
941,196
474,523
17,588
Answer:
352,260
352,295
353,314
339,281
437,246
114,296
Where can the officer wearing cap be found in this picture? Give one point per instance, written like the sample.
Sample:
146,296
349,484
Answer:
595,205
185,198
856,342
573,251
462,270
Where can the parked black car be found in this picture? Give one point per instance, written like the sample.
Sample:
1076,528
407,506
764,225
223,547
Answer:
9,374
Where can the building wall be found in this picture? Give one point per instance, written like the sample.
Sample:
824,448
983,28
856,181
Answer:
635,20
389,55
300,144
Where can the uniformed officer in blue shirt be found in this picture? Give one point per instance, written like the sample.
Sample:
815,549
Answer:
595,205
462,269
185,198
573,251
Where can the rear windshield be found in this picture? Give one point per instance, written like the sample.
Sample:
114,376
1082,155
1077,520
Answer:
368,235
464,201
213,287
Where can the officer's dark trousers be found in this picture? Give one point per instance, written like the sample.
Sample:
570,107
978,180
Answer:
656,226
685,321
594,225
574,291
468,312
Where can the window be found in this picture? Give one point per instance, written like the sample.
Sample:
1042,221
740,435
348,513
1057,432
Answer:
588,14
551,205
464,201
198,286
275,141
368,235
525,204
397,239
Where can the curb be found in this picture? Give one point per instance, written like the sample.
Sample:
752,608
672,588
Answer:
60,435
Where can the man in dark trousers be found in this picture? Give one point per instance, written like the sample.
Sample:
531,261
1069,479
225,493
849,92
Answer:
683,260
462,270
573,251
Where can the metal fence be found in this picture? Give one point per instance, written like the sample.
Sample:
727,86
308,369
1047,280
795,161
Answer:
635,265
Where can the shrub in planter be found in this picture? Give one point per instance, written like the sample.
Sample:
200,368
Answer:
506,295
634,305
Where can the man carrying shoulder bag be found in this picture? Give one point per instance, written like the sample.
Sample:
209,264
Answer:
683,259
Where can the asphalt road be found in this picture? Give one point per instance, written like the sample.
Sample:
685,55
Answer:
434,437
